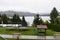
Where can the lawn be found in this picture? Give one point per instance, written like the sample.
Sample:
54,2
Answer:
16,39
29,31
22,39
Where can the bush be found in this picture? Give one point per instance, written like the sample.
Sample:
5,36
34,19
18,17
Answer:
55,27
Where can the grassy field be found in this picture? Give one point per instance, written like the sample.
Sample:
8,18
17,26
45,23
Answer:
22,39
16,39
29,31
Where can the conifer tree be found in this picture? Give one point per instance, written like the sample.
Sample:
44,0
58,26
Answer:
24,23
53,15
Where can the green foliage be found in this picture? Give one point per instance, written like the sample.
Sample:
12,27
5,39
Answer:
24,23
4,18
37,20
10,21
0,18
53,15
50,32
57,21
46,22
0,15
41,21
55,27
16,19
2,38
29,31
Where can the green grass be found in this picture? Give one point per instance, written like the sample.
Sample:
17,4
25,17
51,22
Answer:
22,39
29,31
50,33
2,38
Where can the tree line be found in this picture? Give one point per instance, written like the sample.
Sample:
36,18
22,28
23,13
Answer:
53,18
54,23
37,20
14,20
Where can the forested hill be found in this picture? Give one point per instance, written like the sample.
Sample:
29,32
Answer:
11,13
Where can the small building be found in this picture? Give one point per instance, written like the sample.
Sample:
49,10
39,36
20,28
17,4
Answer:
42,30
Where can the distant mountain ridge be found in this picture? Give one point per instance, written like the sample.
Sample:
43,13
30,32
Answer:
11,13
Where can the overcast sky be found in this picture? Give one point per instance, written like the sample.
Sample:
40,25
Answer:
35,6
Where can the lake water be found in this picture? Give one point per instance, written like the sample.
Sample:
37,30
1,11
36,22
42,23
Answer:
30,19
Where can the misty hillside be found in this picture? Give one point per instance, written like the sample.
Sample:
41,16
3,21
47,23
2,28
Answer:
11,13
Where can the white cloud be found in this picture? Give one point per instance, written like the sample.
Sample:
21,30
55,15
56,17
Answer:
29,5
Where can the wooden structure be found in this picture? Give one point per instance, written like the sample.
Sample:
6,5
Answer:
42,29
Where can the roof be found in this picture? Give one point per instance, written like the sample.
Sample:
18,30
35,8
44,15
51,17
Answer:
42,26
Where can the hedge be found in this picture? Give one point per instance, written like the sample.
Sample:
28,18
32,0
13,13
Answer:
55,27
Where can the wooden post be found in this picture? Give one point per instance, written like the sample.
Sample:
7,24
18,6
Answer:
45,34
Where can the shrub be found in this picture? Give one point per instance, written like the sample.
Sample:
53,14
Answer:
55,27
